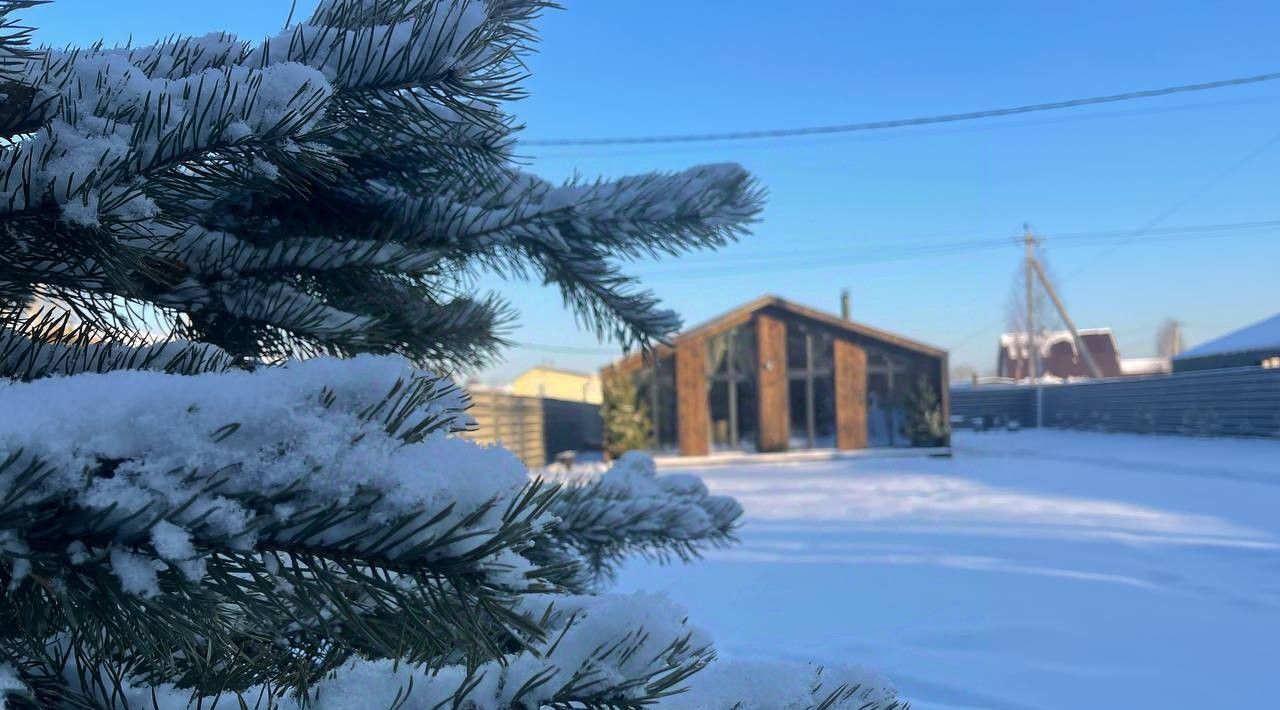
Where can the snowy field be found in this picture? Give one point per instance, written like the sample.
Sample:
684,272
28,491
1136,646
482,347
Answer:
1037,569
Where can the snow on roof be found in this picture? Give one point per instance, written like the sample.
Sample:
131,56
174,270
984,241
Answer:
1259,336
1144,365
1016,343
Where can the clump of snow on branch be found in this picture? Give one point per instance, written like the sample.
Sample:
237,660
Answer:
139,451
719,684
599,642
9,682
629,509
46,346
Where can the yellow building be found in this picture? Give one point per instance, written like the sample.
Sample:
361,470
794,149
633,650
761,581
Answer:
552,383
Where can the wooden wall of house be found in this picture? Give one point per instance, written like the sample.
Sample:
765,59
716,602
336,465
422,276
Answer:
851,395
771,378
691,397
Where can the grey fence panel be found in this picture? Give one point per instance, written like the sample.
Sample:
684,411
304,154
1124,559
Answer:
1231,402
995,403
572,426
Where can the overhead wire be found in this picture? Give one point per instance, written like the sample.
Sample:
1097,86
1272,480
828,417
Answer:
565,349
1117,238
1173,209
787,262
903,122
820,141
1150,227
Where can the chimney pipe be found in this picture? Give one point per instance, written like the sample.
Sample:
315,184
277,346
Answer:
844,304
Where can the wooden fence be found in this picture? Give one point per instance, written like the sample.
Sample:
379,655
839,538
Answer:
514,422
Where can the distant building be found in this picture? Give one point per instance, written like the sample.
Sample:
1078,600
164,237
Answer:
1140,366
536,429
1252,346
774,375
516,423
544,412
554,383
1058,355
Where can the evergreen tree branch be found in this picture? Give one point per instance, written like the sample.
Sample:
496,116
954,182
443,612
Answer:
181,522
630,510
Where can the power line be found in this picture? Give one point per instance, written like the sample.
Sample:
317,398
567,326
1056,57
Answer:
1169,231
946,242
903,122
781,263
1150,227
566,349
807,263
1177,206
866,251
575,152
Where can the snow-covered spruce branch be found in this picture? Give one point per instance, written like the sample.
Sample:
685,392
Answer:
204,205
597,657
116,127
630,510
49,341
292,197
249,533
638,644
163,522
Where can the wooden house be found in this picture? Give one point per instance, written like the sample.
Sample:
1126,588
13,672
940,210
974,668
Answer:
774,375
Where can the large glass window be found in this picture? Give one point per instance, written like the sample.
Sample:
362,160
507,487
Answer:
665,407
811,386
731,388
890,375
718,406
645,393
880,396
824,411
656,388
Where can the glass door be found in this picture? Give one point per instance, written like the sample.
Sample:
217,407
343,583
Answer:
811,387
731,388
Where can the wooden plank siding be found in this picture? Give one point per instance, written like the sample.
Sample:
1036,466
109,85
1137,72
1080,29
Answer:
851,395
859,352
771,377
691,398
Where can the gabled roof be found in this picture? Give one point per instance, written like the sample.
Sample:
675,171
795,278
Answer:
747,311
1015,344
1263,335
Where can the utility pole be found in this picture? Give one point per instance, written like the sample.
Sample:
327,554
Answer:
1033,353
1071,326
1175,345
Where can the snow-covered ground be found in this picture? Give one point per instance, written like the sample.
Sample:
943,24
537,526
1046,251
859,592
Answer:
1036,569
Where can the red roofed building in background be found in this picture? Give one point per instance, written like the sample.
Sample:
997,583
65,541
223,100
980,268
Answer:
1059,358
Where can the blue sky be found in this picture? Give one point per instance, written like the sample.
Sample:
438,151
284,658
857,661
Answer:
838,205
